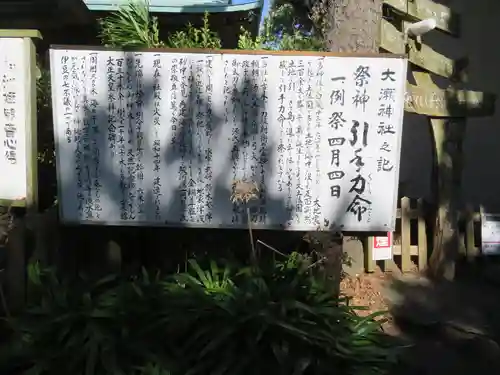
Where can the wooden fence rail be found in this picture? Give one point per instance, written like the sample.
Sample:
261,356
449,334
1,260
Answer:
410,242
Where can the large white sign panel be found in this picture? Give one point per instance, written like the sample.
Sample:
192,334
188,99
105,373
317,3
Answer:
158,138
14,96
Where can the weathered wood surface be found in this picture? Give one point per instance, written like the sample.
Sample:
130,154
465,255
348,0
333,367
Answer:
448,136
421,55
446,19
434,102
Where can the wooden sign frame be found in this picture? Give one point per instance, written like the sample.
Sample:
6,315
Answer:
232,51
220,52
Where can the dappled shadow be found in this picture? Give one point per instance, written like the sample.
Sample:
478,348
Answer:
88,246
452,327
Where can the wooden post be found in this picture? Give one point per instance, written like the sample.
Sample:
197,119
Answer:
422,238
448,137
472,252
405,235
17,236
369,262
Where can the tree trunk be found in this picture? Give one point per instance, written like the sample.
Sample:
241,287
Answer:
350,25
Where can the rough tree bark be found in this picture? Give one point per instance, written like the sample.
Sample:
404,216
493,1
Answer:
349,25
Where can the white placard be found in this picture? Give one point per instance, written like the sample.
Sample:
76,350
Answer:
382,247
490,234
157,138
14,101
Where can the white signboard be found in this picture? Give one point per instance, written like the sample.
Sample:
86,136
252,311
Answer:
14,102
490,234
382,247
158,138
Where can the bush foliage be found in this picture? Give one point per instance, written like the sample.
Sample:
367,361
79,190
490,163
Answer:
133,26
278,318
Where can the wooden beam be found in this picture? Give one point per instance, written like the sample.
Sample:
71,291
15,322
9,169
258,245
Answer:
434,102
26,33
39,23
446,19
420,55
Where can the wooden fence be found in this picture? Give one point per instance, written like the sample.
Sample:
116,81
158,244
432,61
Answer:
409,239
410,242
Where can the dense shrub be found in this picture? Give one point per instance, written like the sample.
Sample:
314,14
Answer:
278,318
133,26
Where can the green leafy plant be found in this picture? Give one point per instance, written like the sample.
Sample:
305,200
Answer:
300,41
46,154
278,317
131,26
214,280
42,88
193,37
77,327
153,369
247,42
282,30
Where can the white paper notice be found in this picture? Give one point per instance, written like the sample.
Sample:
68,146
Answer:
382,247
490,234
